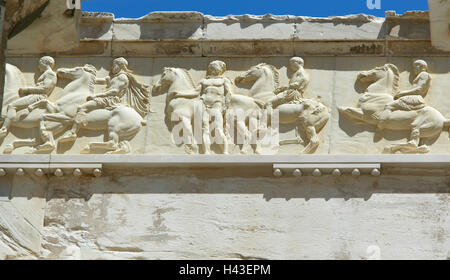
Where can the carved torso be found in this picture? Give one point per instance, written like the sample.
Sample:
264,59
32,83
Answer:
213,91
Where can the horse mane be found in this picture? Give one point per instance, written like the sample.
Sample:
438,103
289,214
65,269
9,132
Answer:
189,76
92,70
396,81
276,75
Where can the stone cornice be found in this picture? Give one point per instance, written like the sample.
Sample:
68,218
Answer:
431,164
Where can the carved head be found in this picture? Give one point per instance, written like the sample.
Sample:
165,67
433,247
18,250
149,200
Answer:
165,80
118,65
296,63
216,68
46,62
258,71
420,66
248,76
77,72
372,75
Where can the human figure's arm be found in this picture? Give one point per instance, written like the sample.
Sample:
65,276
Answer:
280,90
300,81
45,85
228,90
188,94
420,87
117,87
104,81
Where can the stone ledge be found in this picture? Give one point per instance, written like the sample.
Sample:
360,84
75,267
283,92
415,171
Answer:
132,161
195,25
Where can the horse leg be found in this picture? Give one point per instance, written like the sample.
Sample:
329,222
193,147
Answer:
49,106
117,146
412,147
10,117
244,135
19,143
297,140
111,144
355,113
46,137
187,128
222,134
313,138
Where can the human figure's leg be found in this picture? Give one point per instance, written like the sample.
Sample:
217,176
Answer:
71,134
219,124
386,113
49,106
11,112
205,131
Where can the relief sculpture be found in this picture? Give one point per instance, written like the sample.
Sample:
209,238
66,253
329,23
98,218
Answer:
203,117
384,106
214,95
292,107
120,109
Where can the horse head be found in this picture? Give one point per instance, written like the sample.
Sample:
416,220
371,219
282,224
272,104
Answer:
174,80
257,72
76,72
263,78
167,78
384,79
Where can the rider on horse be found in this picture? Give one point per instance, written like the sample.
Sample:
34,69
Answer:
120,84
297,86
45,85
412,99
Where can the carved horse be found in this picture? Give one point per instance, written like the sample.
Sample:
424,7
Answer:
183,97
310,114
383,86
14,80
57,117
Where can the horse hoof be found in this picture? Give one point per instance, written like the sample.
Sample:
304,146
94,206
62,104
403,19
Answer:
45,148
67,138
8,149
86,150
423,149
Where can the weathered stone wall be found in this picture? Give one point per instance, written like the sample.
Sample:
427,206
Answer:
226,213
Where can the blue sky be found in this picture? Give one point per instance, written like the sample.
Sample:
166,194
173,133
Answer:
317,8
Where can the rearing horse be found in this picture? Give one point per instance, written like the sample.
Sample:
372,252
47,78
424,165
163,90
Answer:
310,114
54,118
383,85
73,95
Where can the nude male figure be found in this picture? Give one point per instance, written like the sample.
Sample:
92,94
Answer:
215,93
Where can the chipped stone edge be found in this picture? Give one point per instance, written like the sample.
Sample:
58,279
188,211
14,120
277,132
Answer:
192,16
